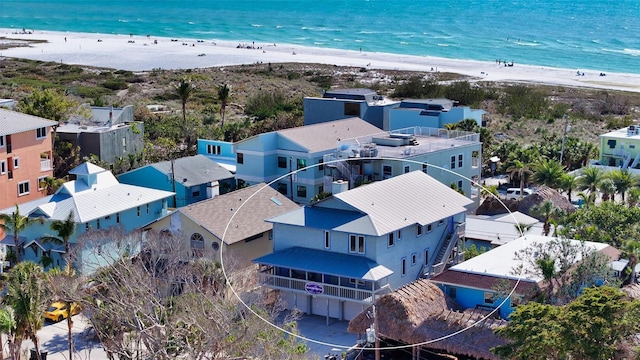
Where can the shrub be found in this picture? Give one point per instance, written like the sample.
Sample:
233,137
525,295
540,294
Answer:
115,84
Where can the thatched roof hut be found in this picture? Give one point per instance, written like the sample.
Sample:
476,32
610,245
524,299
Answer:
542,194
420,313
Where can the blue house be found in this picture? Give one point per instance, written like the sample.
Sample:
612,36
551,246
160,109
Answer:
339,104
337,256
192,179
473,283
269,157
219,151
432,113
97,201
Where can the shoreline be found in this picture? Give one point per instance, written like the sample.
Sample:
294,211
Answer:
145,53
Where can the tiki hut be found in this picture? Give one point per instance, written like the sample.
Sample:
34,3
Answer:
420,313
542,194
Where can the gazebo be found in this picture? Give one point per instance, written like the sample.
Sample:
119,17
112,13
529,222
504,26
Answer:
421,314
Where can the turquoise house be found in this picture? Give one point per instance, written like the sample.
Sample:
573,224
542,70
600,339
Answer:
336,257
219,151
192,179
473,283
98,202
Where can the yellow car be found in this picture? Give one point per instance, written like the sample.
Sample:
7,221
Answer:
57,311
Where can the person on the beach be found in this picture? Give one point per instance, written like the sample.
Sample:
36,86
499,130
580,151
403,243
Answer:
65,39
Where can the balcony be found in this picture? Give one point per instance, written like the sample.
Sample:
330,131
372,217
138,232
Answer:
45,165
332,291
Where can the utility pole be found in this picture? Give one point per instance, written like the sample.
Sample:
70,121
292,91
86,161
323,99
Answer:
377,333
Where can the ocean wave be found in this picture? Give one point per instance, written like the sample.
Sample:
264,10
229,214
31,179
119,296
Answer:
358,40
279,26
404,43
191,22
443,45
595,41
321,29
632,52
521,43
123,21
369,32
337,40
256,25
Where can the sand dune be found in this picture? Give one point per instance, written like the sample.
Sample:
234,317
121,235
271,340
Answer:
139,53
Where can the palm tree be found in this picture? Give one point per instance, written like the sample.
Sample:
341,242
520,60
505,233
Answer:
522,228
590,178
608,189
623,179
65,230
16,223
490,191
521,171
634,197
7,324
184,89
27,295
224,94
547,266
548,172
588,199
568,182
548,213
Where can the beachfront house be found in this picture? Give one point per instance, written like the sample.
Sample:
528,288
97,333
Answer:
336,104
191,178
620,149
25,157
474,283
337,256
232,224
269,157
98,201
433,113
109,133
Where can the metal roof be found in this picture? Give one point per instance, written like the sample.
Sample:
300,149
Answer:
240,213
326,262
86,168
325,136
317,217
13,122
193,170
90,202
411,198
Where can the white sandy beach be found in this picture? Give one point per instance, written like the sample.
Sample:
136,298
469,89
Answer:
141,53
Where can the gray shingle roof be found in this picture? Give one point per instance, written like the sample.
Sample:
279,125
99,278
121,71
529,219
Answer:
412,198
324,136
243,210
195,169
12,122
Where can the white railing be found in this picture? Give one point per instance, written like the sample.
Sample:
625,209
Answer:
45,164
336,291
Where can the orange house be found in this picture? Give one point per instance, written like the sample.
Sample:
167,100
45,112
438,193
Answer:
25,157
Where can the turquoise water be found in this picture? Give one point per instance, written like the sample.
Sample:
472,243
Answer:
583,34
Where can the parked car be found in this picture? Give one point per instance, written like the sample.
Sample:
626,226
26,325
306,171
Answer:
514,193
57,311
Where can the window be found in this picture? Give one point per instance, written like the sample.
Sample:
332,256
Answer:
148,208
282,188
98,224
138,209
321,165
117,218
197,244
460,160
406,169
195,193
282,162
320,189
440,222
404,266
414,259
489,297
240,158
352,109
356,244
424,168
1,141
3,167
302,163
459,184
16,162
429,228
391,240
213,149
386,172
124,143
41,133
418,230
302,191
452,292
453,162
42,184
426,256
87,227
399,234
23,188
327,239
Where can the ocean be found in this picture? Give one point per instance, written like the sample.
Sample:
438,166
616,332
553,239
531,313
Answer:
599,35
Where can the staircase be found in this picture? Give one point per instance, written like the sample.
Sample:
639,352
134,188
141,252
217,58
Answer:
635,161
449,243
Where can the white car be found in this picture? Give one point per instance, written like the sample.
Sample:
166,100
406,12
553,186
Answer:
514,193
